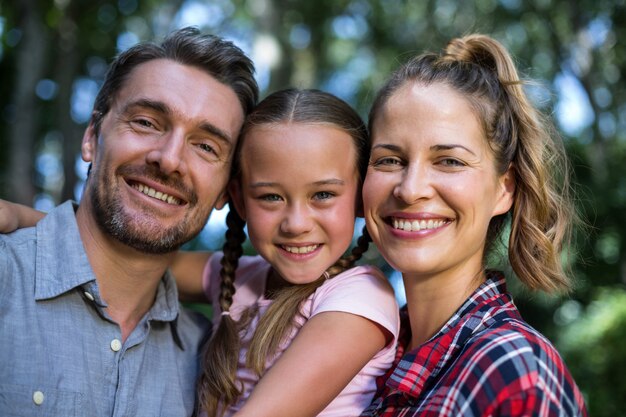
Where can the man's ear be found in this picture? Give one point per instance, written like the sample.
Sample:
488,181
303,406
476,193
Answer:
236,196
90,140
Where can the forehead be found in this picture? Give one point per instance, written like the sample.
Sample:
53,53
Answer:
434,111
298,145
192,95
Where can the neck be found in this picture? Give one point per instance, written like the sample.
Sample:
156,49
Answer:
127,279
432,300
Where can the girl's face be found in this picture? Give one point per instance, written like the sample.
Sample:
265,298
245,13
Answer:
298,193
431,187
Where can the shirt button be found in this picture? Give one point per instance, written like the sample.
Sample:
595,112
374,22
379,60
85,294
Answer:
38,397
116,345
89,296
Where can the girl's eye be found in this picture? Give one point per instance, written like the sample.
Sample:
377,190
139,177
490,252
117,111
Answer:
323,195
270,197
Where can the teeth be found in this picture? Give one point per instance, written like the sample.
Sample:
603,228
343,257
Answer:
417,225
300,249
156,194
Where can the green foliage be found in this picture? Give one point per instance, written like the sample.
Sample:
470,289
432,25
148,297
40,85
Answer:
348,47
592,344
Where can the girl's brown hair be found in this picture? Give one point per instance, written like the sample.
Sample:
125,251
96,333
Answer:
218,380
481,69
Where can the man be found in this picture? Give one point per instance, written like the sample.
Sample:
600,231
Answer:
89,316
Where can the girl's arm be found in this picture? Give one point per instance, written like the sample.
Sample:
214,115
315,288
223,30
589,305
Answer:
330,349
16,216
187,269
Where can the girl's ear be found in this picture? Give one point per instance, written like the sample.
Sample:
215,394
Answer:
236,197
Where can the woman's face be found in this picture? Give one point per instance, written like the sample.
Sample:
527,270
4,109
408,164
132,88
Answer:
431,186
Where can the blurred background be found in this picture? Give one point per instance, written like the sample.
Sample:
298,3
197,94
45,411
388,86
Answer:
53,55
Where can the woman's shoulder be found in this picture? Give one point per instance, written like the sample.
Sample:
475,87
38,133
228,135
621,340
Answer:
514,348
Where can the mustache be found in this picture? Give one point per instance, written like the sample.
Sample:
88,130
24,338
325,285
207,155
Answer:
155,174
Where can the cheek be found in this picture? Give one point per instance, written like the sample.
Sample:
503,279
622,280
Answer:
372,192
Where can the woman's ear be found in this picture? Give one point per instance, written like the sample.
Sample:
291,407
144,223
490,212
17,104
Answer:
236,197
506,185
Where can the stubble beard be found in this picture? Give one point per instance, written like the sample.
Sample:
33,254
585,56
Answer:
144,234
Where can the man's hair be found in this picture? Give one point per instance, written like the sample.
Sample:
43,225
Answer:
188,46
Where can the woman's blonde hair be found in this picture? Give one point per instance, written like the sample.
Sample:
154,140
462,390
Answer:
481,69
217,385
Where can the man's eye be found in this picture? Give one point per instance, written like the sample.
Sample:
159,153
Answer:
143,123
207,148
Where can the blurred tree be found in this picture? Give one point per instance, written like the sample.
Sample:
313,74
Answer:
53,55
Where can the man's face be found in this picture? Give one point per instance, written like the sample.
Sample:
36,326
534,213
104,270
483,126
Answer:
162,158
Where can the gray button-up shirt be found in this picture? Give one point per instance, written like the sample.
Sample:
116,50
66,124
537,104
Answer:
62,355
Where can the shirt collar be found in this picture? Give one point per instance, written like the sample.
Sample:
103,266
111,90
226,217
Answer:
416,368
166,306
62,263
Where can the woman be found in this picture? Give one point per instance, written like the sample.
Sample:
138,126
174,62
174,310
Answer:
457,151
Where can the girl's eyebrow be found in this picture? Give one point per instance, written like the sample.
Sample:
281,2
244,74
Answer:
331,181
262,184
446,147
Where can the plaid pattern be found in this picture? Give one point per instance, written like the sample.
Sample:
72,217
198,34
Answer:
485,361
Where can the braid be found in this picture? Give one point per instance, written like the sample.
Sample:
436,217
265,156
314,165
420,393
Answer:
221,355
273,327
347,261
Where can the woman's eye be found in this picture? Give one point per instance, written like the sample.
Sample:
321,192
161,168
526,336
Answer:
451,162
387,161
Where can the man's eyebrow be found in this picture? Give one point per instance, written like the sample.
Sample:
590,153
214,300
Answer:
163,108
158,106
217,132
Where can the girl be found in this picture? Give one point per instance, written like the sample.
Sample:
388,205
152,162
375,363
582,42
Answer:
299,324
298,330
457,149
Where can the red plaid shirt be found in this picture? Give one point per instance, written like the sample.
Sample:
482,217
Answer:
485,361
